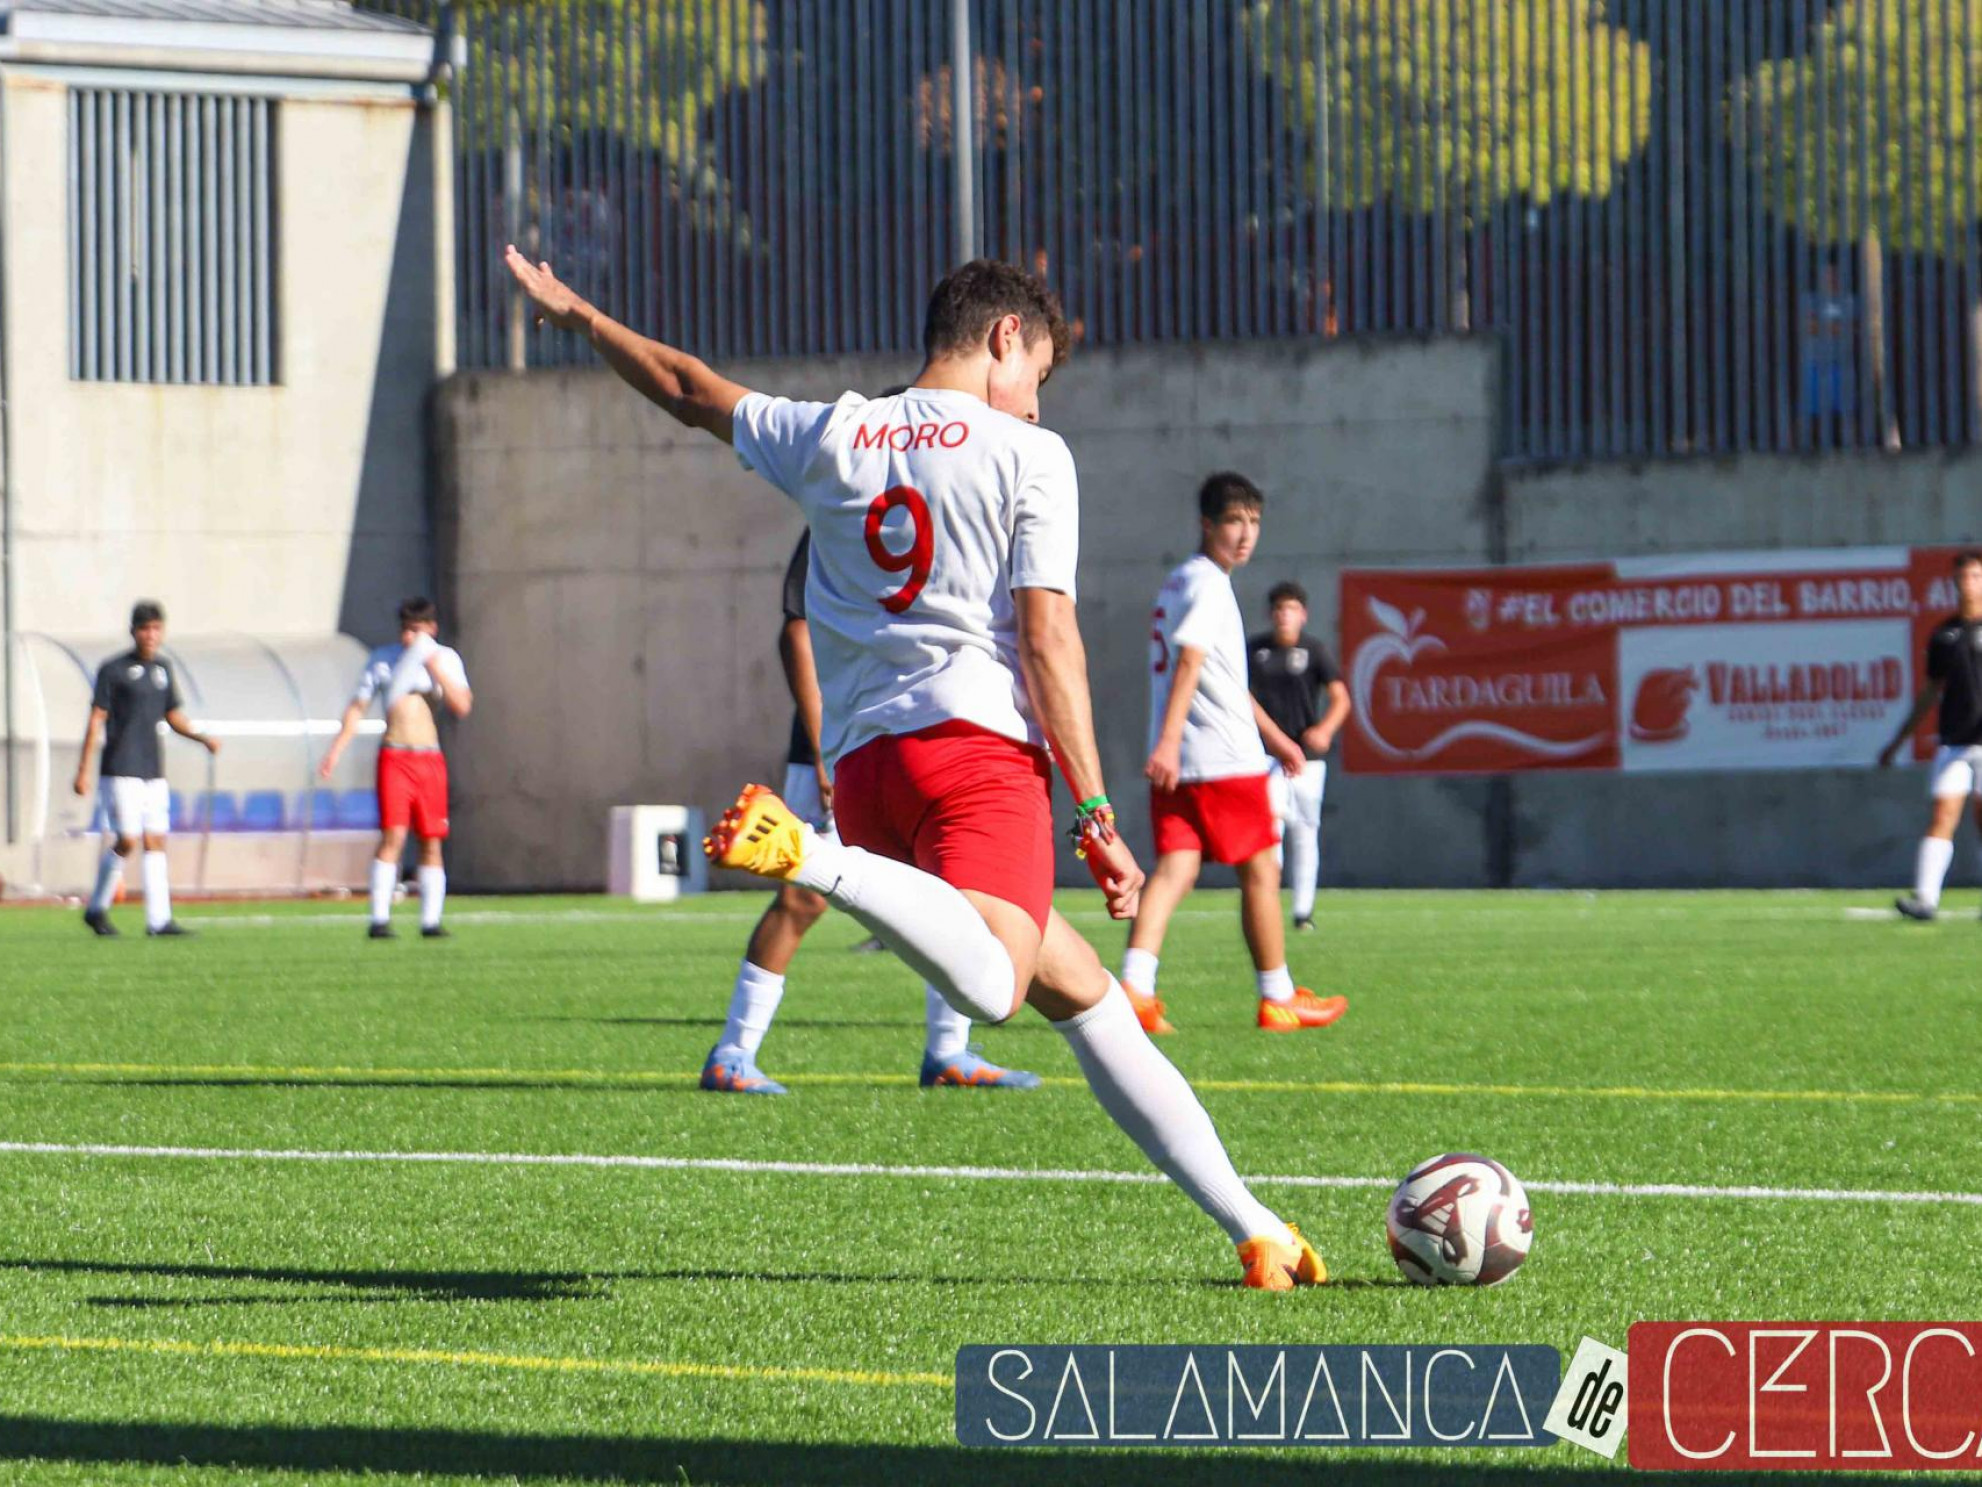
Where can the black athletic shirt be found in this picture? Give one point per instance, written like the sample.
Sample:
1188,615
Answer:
1290,681
800,750
137,695
1954,658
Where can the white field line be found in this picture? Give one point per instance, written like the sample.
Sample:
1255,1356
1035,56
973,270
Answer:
355,916
922,1173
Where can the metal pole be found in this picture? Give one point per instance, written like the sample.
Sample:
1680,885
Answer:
963,132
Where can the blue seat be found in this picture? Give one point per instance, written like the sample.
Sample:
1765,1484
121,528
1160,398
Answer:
218,810
317,809
180,821
262,811
358,810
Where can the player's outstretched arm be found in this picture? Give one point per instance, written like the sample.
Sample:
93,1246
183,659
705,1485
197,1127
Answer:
1053,659
1923,703
683,385
91,733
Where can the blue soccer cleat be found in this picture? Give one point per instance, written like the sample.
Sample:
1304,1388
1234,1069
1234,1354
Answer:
731,1071
970,1070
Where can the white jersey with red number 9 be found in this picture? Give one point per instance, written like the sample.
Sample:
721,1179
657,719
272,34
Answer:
927,510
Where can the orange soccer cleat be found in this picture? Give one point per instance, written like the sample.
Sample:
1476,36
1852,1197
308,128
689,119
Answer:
759,834
1271,1266
1149,1011
1304,1010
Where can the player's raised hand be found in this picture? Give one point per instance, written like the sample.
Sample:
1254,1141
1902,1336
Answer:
552,298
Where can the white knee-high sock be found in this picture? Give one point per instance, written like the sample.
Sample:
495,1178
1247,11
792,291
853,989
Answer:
108,870
1156,1107
383,874
1303,844
948,1030
1930,869
433,894
753,1002
158,892
921,918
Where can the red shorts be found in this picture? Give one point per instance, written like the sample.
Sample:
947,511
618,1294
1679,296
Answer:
1225,820
413,791
970,806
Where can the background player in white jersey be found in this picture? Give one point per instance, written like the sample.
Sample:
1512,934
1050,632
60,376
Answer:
1208,768
409,678
135,692
1294,680
941,600
1954,681
731,1068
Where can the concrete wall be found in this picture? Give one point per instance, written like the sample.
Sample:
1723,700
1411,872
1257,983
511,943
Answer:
299,509
614,583
614,579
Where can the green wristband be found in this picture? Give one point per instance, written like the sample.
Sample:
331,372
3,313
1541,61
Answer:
1093,803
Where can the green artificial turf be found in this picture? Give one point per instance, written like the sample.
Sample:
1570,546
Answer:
231,1319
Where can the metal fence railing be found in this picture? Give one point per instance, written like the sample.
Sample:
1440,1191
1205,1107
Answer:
1695,226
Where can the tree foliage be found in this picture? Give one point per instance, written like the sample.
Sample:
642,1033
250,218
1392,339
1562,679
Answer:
1459,102
641,69
1875,129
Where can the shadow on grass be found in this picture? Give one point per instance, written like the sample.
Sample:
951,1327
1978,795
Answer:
428,1285
506,1285
705,1462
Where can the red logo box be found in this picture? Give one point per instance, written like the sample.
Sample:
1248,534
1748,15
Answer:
1802,1396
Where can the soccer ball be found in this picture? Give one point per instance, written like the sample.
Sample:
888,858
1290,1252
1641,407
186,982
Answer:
1459,1220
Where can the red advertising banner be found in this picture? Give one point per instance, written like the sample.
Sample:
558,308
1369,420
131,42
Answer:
1858,1396
1783,660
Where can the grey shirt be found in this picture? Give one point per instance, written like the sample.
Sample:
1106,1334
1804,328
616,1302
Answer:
137,695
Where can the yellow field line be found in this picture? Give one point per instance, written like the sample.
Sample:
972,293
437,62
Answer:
530,1362
333,1073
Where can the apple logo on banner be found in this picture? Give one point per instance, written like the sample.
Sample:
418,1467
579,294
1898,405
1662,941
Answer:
1399,642
1658,713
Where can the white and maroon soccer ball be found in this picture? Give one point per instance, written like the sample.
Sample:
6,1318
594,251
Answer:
1459,1220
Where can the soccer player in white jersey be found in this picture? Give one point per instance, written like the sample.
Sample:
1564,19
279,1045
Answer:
411,680
1208,768
948,1060
941,601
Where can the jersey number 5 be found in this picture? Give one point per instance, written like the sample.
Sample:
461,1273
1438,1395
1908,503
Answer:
921,554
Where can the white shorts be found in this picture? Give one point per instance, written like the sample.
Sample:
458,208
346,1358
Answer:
1957,772
801,793
1297,799
133,807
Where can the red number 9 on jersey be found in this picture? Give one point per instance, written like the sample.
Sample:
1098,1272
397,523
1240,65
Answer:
921,553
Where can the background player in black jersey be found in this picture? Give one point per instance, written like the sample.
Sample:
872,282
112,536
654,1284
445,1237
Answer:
947,1058
1294,679
135,692
1954,680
